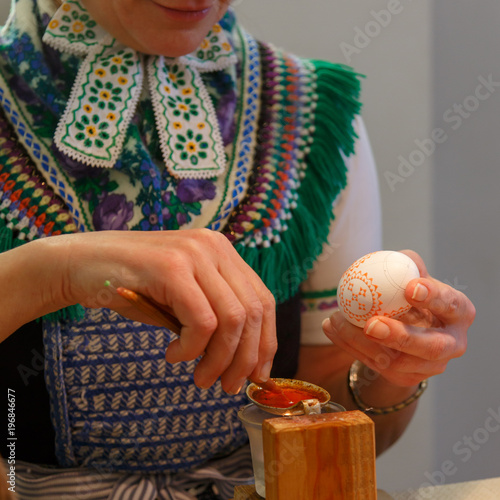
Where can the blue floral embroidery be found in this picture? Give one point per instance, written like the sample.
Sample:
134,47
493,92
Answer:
150,176
152,222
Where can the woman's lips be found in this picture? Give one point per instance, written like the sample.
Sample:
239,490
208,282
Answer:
184,13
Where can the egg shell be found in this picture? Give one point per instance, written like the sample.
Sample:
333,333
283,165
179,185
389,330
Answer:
374,286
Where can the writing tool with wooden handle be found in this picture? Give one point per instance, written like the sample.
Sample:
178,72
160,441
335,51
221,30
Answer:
165,317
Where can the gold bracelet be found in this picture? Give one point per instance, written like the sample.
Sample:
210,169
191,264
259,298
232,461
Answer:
354,390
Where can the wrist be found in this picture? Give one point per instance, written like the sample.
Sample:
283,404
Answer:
31,273
370,390
54,254
42,266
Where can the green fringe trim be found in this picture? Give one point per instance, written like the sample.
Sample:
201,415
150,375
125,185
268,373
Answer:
8,242
75,312
284,266
6,237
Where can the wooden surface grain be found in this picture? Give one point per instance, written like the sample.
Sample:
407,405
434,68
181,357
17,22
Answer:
330,456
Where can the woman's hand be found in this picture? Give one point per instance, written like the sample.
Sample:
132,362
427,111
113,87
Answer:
227,313
414,347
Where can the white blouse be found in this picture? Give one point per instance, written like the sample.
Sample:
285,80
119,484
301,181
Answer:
355,231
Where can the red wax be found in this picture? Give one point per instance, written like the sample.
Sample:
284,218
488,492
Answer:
286,398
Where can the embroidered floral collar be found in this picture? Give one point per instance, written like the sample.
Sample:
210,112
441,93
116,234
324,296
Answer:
108,87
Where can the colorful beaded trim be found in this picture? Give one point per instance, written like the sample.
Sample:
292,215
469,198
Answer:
284,136
41,155
242,159
29,209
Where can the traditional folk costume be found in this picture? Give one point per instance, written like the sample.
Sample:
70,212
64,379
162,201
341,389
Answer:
239,137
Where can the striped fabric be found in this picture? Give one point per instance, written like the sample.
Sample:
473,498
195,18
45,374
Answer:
34,482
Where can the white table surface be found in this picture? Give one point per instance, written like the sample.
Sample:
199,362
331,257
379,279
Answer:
483,489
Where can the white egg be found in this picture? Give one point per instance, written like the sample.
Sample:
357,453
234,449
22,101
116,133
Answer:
374,286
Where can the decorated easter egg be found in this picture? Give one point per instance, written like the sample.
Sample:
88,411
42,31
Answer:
374,286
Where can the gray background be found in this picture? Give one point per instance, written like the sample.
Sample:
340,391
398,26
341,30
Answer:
421,62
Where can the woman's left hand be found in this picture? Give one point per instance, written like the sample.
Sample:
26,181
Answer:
415,346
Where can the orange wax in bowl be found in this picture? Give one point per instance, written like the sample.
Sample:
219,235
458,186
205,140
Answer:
289,393
289,396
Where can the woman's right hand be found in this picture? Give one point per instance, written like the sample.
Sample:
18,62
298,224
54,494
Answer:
227,313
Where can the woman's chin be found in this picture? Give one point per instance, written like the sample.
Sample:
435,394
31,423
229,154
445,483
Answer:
174,47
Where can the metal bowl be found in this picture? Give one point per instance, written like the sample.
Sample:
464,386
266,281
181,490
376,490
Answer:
319,397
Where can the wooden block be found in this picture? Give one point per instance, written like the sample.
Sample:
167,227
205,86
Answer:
246,493
330,456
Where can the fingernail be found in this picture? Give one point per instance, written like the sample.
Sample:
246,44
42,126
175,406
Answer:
205,383
327,325
378,330
236,388
420,293
265,372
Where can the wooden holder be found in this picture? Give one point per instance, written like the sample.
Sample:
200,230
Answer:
329,456
249,493
246,493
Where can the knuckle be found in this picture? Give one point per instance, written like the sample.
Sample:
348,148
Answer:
470,312
236,317
453,305
249,362
229,342
412,254
440,368
268,301
212,238
461,347
400,343
439,304
254,313
437,348
205,233
176,263
206,324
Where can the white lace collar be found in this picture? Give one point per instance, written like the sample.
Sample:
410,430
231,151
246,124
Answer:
108,87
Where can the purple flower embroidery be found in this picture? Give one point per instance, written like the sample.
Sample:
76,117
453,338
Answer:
75,168
166,198
113,212
182,218
193,190
23,90
225,114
